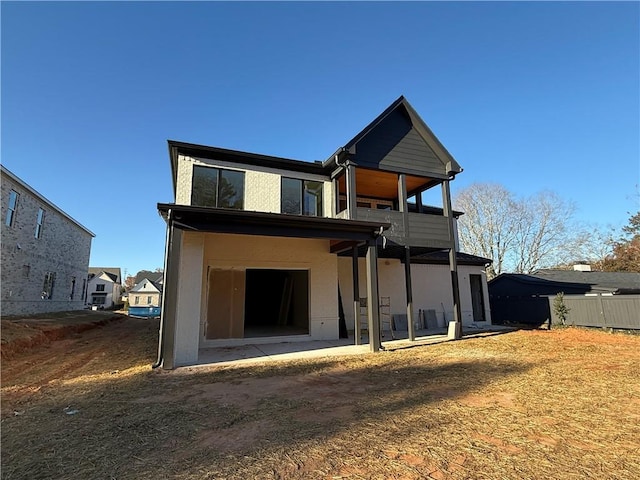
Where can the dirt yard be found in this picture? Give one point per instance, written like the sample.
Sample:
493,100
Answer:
523,405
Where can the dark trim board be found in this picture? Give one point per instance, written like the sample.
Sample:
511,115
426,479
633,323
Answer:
220,220
215,153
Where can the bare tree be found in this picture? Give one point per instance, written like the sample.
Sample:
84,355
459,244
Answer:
520,235
488,226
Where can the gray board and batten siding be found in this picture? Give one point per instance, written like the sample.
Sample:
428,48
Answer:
423,230
396,142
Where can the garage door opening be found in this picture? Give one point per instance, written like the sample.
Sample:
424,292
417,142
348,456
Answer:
276,303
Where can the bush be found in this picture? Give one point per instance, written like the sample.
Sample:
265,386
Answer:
560,309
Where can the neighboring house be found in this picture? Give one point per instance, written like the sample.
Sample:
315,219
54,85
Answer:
104,287
520,298
45,253
155,277
262,248
146,293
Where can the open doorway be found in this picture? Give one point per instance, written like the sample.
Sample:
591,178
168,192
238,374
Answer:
477,298
276,303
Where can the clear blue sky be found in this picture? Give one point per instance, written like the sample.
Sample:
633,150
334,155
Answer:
530,95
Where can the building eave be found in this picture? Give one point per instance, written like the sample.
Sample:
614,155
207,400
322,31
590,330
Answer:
220,220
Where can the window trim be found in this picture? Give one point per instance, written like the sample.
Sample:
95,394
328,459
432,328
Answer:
39,223
302,185
219,174
11,210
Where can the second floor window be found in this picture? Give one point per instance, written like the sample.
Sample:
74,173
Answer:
148,300
215,187
11,211
301,197
39,222
100,287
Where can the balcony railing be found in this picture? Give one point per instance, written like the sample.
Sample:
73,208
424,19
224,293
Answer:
421,230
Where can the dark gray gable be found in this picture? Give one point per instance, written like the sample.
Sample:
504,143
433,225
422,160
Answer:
399,141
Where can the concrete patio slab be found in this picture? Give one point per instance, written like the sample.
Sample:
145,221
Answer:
281,351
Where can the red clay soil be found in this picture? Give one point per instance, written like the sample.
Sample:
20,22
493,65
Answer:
22,334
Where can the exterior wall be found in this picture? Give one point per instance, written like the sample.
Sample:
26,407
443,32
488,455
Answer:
246,251
63,248
156,299
431,287
202,250
261,185
190,298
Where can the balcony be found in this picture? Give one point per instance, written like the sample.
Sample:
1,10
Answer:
421,229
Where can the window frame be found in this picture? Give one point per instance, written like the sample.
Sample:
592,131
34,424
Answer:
302,189
11,210
39,223
220,176
100,287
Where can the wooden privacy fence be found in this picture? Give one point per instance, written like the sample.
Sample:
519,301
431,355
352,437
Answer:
614,311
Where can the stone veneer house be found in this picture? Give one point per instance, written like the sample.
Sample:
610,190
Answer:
45,253
263,249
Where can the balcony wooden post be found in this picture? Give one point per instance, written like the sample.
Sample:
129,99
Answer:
455,330
404,208
351,190
407,283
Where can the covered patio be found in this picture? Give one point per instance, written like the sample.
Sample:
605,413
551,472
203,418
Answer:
285,351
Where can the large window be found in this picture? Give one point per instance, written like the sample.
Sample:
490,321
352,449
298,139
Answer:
301,197
39,222
11,211
215,187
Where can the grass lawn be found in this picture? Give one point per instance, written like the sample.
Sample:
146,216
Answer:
522,405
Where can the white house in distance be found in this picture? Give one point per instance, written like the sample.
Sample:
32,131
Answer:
104,287
145,293
263,249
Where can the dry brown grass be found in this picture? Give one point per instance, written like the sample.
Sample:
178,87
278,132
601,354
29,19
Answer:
527,404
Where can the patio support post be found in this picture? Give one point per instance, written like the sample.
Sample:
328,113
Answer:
350,183
373,300
455,330
407,283
356,296
402,204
